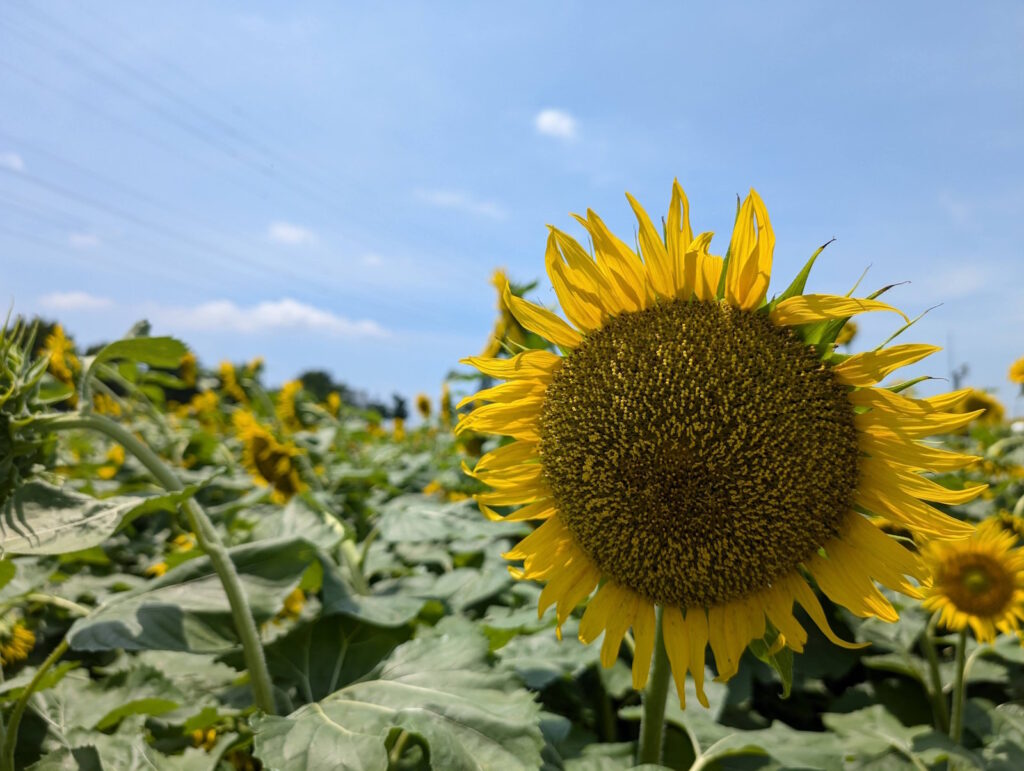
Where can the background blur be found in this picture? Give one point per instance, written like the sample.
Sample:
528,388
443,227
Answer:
331,187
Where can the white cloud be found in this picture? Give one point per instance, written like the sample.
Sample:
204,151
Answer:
288,233
12,161
74,301
555,123
272,316
453,199
83,240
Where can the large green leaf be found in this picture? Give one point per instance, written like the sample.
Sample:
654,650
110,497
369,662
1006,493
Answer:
41,518
164,352
385,605
186,609
440,689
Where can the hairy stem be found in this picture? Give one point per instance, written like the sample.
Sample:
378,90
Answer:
207,538
652,724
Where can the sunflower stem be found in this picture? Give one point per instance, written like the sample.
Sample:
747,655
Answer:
936,691
11,737
208,539
652,724
956,727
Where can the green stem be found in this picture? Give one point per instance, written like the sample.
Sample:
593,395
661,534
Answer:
207,538
652,724
11,737
956,727
938,697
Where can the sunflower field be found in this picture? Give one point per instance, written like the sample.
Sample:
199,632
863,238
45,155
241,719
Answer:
673,523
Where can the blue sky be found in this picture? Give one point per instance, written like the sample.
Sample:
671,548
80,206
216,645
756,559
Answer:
332,185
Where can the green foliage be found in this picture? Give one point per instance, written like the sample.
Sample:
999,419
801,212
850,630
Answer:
394,635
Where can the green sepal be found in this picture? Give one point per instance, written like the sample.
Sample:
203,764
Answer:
781,660
796,287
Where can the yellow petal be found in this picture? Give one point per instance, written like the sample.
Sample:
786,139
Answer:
845,583
507,456
643,636
778,605
544,509
540,320
576,294
881,497
678,236
750,255
677,645
866,369
596,616
512,391
539,365
809,308
797,588
659,266
619,621
895,449
709,275
619,263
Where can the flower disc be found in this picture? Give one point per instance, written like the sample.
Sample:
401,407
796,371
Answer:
697,452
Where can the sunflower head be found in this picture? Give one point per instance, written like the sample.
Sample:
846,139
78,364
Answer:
1017,371
977,582
18,643
699,447
188,368
423,406
270,461
229,383
334,403
989,409
445,406
287,411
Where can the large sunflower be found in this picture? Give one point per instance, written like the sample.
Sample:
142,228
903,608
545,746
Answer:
978,582
697,448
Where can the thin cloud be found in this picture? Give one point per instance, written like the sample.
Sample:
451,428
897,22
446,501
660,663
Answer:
285,315
12,161
555,123
74,301
454,199
84,240
291,234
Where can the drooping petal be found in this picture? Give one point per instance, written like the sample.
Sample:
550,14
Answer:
866,369
643,635
809,308
540,320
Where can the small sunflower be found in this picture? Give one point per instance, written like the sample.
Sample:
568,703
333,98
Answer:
270,461
399,429
423,406
988,408
445,406
286,405
334,403
697,448
977,582
19,643
63,364
847,333
188,368
1017,371
229,383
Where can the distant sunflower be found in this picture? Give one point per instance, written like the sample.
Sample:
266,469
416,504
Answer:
1017,371
989,409
188,368
287,409
63,364
19,642
691,449
270,461
229,383
423,406
978,582
445,406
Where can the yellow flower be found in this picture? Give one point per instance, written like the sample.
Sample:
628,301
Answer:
157,569
847,333
184,542
206,739
334,403
63,364
989,410
446,406
691,450
106,405
1017,371
114,461
977,582
188,368
293,605
18,646
433,487
423,405
399,432
286,411
269,461
229,383
507,328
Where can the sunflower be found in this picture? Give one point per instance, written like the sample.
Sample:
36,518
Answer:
699,449
423,406
445,406
229,383
1017,371
188,368
287,411
989,409
270,461
978,582
19,643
